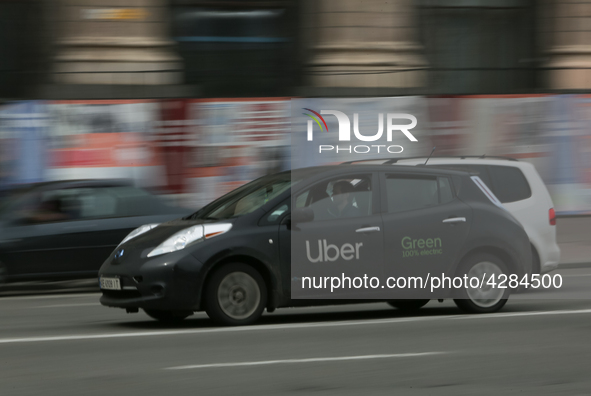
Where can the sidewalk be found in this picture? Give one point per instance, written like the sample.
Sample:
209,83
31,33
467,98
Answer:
574,239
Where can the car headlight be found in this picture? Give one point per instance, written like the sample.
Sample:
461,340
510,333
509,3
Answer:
189,235
139,231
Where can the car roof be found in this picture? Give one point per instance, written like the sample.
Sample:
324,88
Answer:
336,169
450,159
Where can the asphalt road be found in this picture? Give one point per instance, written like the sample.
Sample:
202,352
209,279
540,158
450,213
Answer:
68,344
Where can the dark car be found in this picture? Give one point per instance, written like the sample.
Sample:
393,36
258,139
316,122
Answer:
252,248
66,229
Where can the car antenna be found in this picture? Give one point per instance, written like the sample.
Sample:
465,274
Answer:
434,147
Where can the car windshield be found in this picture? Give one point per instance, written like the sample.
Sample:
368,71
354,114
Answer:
246,199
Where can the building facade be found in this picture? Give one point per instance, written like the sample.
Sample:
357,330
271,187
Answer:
91,49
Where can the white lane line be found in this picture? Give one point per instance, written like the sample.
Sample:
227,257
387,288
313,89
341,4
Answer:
284,326
311,360
96,304
204,331
44,297
517,314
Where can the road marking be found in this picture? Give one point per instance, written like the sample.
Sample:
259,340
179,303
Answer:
204,331
95,304
284,326
38,297
516,314
311,360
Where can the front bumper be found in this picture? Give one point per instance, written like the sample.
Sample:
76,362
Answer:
167,282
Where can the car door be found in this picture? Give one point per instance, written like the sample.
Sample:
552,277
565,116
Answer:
336,238
93,219
425,226
113,212
31,250
46,238
275,226
107,214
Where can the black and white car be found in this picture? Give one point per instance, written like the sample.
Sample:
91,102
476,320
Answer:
234,257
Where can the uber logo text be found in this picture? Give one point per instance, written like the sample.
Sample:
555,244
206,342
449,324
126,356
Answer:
332,253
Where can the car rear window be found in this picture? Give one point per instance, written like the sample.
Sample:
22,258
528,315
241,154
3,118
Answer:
509,184
479,170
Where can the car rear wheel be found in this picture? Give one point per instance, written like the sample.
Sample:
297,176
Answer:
488,298
166,316
408,305
235,295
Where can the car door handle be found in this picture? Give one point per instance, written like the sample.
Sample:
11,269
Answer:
368,229
455,220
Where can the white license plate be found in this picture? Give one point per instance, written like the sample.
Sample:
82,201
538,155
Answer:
110,284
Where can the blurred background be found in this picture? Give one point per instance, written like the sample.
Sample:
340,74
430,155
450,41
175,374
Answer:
191,98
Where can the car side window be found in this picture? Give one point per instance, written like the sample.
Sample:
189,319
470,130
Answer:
445,190
302,199
478,170
345,196
132,201
67,205
276,214
509,183
97,203
86,203
47,207
405,193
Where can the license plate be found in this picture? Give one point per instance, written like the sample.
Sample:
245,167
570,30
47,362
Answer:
110,284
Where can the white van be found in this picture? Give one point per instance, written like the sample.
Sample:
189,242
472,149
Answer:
522,192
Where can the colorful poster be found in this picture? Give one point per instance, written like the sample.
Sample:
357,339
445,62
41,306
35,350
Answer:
23,143
172,142
105,139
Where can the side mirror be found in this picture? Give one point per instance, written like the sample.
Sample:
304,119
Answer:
302,215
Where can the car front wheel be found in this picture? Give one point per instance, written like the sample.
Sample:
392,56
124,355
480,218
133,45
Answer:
235,295
488,296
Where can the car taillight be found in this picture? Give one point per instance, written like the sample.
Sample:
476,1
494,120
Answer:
552,216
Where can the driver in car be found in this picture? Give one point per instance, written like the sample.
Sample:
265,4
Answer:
343,200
